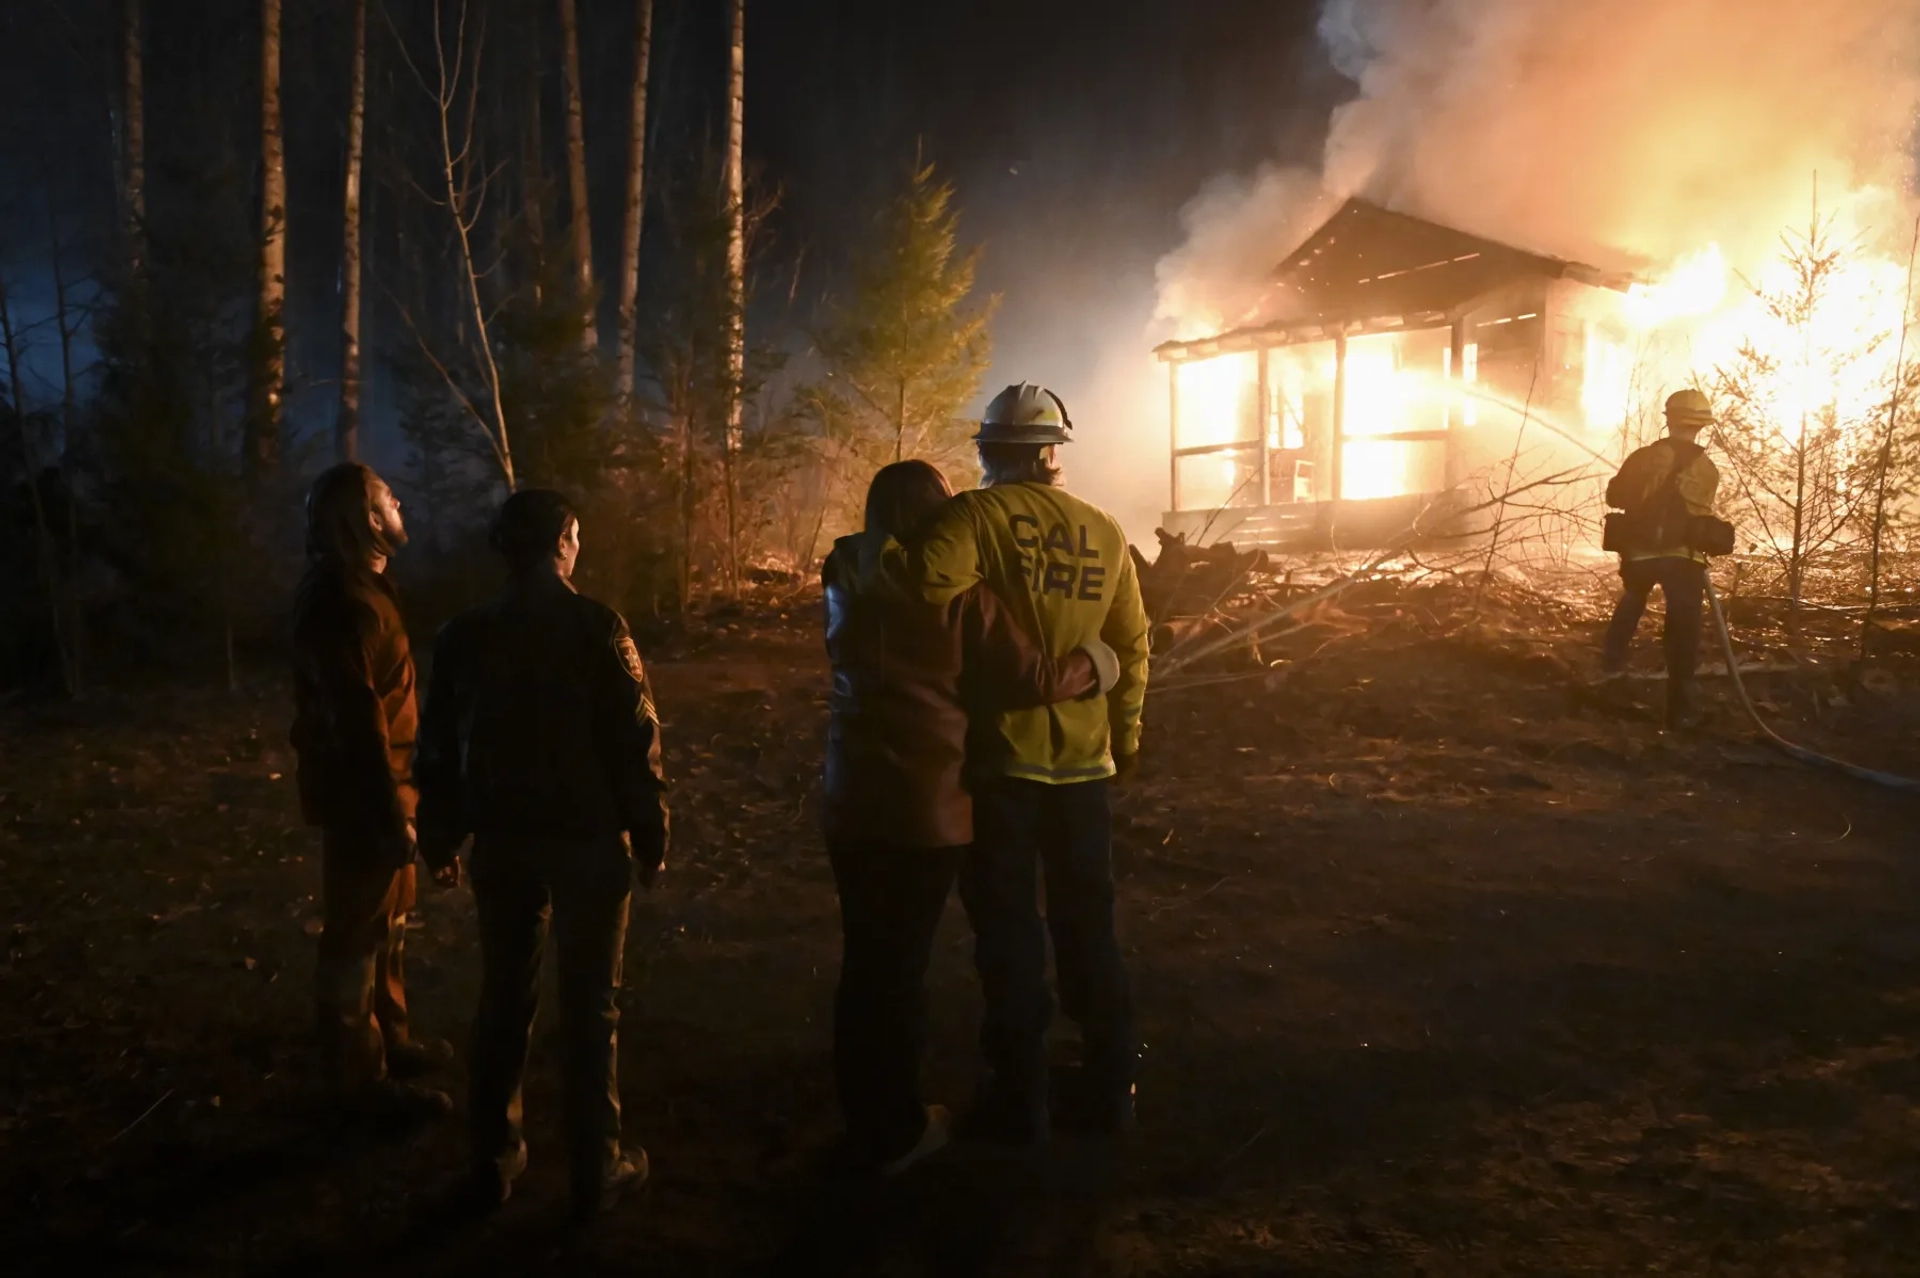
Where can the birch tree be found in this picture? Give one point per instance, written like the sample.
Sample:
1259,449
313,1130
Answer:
533,169
347,431
267,367
736,204
580,223
463,185
133,160
636,200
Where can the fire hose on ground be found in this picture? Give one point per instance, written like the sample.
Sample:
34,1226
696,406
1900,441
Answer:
1786,747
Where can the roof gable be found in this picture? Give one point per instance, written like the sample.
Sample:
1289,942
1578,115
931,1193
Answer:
1369,269
1368,261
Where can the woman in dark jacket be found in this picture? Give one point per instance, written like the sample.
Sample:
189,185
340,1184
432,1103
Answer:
898,816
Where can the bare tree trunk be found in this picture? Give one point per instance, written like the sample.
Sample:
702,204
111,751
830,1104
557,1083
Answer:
636,200
1797,559
533,169
736,276
688,506
43,532
465,198
347,431
66,334
269,364
679,388
1886,447
580,223
900,421
134,142
68,441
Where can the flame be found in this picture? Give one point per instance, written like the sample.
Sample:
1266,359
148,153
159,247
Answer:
1217,406
1391,390
1696,286
1216,400
1406,404
1826,350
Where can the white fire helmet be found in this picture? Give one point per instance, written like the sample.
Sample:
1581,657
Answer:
1026,414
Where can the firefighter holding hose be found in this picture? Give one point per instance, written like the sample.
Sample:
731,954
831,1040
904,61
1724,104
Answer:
1663,534
1041,776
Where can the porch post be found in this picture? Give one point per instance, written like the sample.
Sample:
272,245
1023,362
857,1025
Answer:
1456,402
1261,422
1336,486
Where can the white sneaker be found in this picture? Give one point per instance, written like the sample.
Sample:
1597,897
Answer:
933,1139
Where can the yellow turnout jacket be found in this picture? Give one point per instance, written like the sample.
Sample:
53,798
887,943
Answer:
1647,470
1061,565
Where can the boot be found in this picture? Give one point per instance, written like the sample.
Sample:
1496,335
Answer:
493,1181
933,1139
1683,715
601,1193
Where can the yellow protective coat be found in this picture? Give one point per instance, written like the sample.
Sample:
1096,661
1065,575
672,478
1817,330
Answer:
1646,470
1061,565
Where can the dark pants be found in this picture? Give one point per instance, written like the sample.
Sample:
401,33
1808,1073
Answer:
360,987
1022,828
891,899
518,883
1683,583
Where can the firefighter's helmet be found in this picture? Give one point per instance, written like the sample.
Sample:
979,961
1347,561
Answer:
1026,414
1689,408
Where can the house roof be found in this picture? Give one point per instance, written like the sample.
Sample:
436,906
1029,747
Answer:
1369,269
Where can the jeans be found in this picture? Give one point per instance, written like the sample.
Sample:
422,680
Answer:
1021,829
891,899
1684,584
584,887
360,988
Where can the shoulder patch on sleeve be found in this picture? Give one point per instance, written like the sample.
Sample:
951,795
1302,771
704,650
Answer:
636,671
630,657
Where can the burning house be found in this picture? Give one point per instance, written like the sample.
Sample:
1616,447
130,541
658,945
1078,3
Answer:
1390,360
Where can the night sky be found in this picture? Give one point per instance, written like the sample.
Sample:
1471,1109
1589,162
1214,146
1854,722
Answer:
1074,131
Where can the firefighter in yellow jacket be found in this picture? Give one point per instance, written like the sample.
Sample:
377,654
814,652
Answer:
1041,776
1660,486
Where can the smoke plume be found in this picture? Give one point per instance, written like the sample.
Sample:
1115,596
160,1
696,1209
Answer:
1618,132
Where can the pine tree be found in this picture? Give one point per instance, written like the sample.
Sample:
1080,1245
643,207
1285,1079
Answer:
1803,457
905,353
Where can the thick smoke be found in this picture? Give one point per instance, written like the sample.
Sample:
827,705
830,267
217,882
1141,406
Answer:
1619,132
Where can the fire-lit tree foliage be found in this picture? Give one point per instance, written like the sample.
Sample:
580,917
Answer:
905,352
1810,454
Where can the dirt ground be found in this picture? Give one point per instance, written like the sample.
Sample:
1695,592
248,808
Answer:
1443,967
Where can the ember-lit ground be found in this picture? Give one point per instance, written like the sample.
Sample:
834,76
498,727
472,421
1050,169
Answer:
1442,969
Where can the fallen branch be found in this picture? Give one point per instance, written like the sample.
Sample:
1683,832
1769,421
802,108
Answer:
146,1114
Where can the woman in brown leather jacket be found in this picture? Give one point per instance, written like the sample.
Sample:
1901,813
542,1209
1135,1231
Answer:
898,816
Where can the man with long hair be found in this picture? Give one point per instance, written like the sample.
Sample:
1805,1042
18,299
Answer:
541,741
1042,801
353,732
